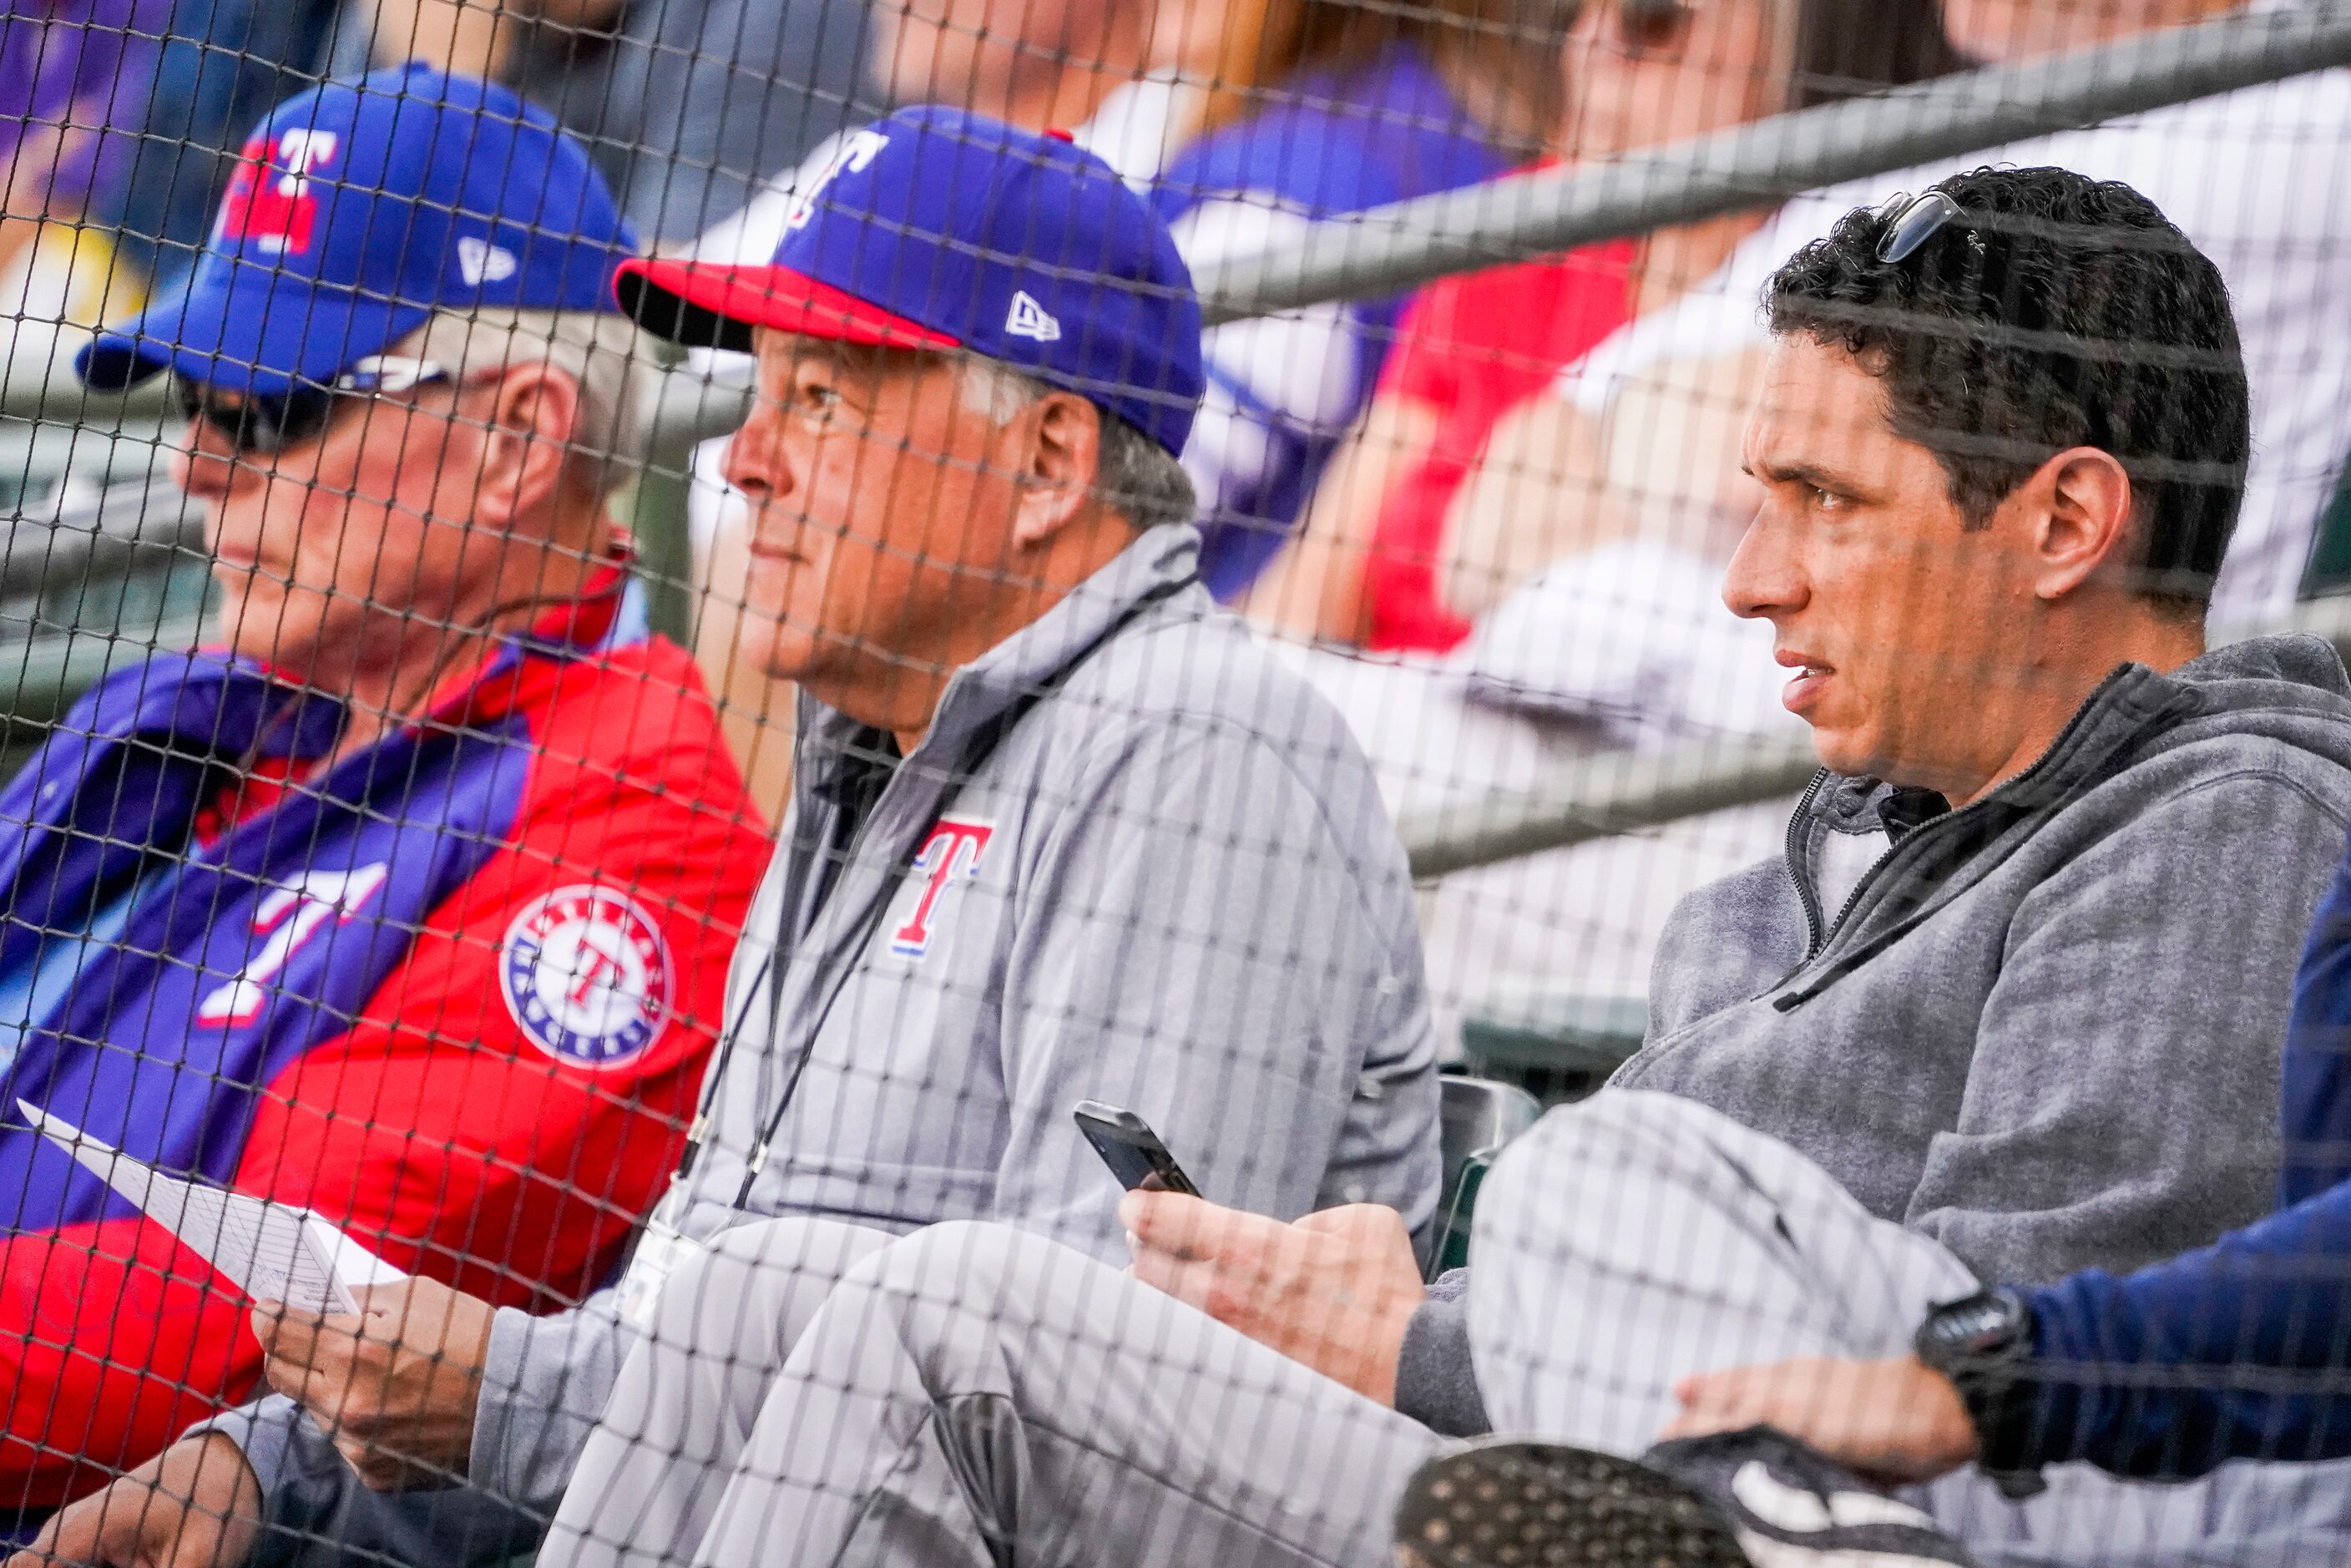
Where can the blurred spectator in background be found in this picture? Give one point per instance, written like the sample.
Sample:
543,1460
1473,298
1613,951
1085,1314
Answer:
413,902
1621,643
1031,63
75,80
690,106
119,125
1373,104
1376,565
2259,178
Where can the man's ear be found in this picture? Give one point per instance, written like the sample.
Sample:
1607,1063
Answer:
1063,455
2081,501
527,445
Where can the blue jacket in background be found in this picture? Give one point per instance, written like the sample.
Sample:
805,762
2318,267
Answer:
2241,1349
1281,394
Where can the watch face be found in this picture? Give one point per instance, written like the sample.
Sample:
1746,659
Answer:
1980,1323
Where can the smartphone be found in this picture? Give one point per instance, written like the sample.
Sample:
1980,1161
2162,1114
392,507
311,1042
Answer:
1132,1150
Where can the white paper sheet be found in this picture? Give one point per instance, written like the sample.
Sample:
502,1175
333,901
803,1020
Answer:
274,1251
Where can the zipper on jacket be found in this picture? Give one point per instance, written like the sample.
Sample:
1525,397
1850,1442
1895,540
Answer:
1806,897
967,769
1851,899
1818,939
1791,1001
1821,938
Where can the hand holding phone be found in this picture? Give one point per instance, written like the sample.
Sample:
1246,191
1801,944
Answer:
1132,1150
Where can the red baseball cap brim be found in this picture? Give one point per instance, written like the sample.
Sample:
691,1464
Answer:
706,305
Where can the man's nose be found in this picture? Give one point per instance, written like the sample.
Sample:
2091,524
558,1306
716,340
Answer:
756,463
1762,580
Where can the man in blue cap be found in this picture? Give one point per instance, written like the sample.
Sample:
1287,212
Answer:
305,914
1061,832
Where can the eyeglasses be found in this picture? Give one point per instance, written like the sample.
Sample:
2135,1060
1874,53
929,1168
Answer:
1910,224
272,423
1648,27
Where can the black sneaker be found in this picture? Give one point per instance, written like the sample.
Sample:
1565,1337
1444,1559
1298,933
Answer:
1502,1503
1742,1500
1792,1507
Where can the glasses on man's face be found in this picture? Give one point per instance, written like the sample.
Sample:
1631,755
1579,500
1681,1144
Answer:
268,423
1649,26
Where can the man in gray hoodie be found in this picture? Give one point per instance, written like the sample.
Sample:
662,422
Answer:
1061,832
2019,983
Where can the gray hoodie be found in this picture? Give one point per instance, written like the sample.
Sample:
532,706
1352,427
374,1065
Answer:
2044,1029
1133,860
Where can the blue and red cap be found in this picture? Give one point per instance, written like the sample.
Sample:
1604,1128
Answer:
936,228
357,210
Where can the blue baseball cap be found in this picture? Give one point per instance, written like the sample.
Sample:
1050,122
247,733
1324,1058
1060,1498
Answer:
357,210
936,228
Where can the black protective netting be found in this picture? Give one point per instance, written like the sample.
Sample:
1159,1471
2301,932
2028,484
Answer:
667,710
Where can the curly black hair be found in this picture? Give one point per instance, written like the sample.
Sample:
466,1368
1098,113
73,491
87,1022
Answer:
2051,311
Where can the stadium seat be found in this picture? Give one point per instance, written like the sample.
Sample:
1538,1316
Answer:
1558,1045
2328,570
112,576
1475,1118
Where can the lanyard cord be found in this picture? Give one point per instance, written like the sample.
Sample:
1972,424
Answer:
698,1132
769,974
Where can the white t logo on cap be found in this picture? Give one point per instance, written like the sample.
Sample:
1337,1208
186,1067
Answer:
1031,319
482,262
856,149
302,150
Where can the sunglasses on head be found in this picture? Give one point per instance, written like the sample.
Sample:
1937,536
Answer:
1911,223
272,423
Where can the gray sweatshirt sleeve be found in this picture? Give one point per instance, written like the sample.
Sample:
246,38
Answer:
1204,945
1435,1384
316,1514
545,1380
2131,1131
544,1384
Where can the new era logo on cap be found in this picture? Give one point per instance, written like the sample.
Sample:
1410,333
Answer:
480,262
936,228
1031,319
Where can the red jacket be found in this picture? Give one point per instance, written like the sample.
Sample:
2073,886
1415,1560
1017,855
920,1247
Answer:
455,992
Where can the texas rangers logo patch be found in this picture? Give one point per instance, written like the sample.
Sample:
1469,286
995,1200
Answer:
269,203
949,855
587,975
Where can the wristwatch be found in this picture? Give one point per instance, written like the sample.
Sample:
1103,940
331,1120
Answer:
1984,1345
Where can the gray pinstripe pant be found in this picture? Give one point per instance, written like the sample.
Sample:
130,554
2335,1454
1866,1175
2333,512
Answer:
972,1395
